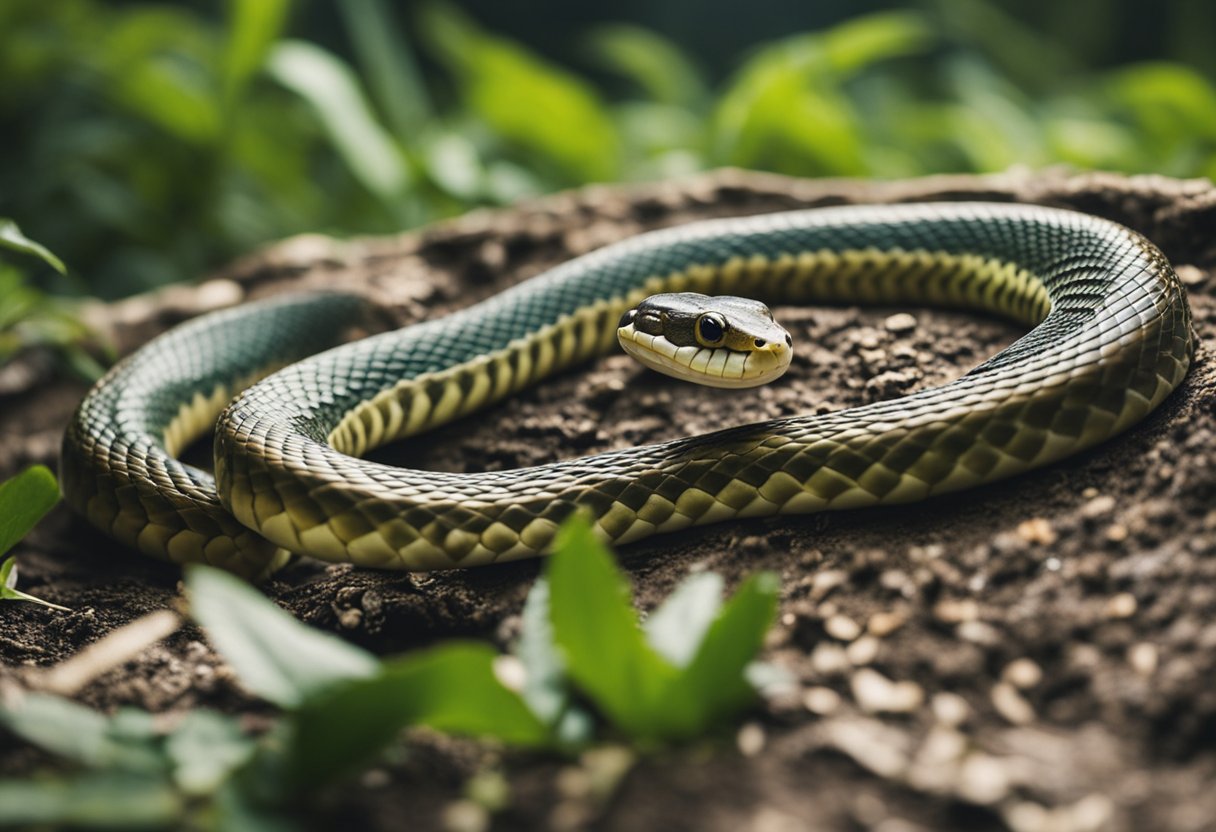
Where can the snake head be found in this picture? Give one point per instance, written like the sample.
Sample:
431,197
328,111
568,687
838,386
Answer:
720,341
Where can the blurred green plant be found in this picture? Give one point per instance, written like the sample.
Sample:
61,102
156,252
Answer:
583,667
157,141
29,318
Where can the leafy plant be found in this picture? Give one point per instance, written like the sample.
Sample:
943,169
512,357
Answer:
29,317
24,500
583,655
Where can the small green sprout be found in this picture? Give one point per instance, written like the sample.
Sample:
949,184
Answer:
24,500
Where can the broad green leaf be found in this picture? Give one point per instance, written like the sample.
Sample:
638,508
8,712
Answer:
676,628
1167,99
205,749
714,685
96,800
597,629
451,688
772,116
856,44
527,101
126,741
12,239
546,689
253,27
274,655
325,82
651,61
24,499
388,64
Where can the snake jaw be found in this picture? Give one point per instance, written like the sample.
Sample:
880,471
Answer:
711,367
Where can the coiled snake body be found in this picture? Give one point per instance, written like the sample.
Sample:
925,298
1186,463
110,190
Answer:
1111,338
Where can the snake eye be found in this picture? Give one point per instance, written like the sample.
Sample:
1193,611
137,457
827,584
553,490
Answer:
627,318
711,329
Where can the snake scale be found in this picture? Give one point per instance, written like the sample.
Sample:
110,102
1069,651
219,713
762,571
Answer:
1109,337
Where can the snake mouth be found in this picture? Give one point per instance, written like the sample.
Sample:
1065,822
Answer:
708,366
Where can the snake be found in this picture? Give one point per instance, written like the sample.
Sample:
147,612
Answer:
1107,337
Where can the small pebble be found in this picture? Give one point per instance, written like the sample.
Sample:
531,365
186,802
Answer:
983,779
821,700
750,740
880,748
882,624
863,651
1143,658
978,632
1037,530
1098,507
1116,533
875,692
900,323
824,582
829,660
1011,705
375,778
842,628
1122,605
465,816
950,708
510,672
953,612
1022,673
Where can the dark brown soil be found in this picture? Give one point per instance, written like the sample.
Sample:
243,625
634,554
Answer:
1037,654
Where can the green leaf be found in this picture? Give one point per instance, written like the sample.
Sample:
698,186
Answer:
99,800
253,27
24,499
327,83
274,655
127,741
451,688
205,749
388,64
856,44
9,591
653,62
545,680
714,685
596,628
529,102
12,238
676,628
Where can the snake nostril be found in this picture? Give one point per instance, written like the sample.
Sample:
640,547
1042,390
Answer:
759,342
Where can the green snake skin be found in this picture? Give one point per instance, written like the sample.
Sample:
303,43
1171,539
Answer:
1111,338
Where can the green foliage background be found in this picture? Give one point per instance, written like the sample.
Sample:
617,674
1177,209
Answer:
147,143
